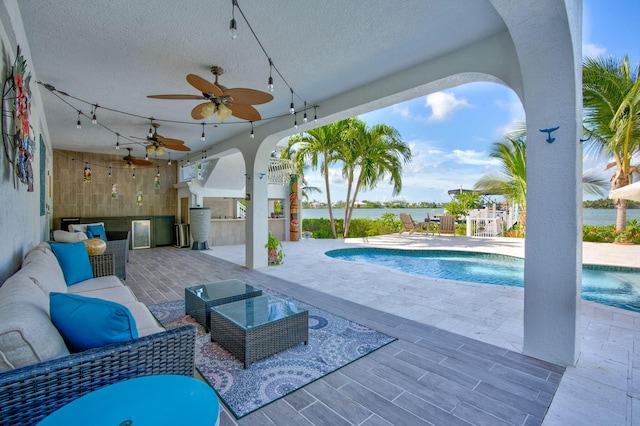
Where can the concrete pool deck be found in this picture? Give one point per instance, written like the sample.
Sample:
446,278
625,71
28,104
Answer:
602,389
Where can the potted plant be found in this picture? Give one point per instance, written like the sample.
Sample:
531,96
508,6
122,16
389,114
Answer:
274,250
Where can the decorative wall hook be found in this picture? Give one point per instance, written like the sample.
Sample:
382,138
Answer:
548,132
261,175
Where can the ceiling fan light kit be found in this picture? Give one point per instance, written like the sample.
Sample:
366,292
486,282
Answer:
130,162
155,150
224,102
158,144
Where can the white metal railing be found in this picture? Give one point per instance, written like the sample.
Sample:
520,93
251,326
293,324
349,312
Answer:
485,227
280,171
242,210
490,222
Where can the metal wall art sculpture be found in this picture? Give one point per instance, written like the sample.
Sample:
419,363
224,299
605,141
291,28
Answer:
16,130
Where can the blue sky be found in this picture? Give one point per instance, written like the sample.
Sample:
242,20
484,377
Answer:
450,132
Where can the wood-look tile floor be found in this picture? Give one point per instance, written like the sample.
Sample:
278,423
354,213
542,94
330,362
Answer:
427,376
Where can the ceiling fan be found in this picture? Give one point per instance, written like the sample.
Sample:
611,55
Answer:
157,144
129,162
220,100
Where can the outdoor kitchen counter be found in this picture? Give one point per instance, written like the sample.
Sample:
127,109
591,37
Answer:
225,232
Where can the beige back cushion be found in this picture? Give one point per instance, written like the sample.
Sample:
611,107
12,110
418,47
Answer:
82,226
27,335
41,265
68,237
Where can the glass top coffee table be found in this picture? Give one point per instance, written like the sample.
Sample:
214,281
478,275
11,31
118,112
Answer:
199,299
252,329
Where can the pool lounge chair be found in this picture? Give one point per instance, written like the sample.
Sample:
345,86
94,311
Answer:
447,225
408,224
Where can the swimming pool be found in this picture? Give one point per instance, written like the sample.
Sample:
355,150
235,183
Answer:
609,285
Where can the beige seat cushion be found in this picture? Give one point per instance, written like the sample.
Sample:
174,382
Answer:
119,294
98,283
27,335
145,322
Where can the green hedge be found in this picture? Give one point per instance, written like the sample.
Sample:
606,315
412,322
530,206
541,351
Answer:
362,227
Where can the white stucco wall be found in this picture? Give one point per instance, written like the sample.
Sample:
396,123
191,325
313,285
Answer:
21,226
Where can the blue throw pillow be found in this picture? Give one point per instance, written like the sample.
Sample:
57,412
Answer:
97,231
74,261
87,322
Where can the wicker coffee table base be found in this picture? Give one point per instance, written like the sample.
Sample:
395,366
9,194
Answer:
262,341
199,309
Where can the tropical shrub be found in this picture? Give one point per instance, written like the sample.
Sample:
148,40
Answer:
320,228
608,234
360,227
388,224
598,234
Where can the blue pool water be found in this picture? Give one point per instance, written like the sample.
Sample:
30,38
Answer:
613,286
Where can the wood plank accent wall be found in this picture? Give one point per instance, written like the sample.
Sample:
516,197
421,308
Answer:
72,197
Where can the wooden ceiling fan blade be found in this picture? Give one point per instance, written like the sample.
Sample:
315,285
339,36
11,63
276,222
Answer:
141,163
178,147
201,111
174,97
248,96
245,112
169,141
203,85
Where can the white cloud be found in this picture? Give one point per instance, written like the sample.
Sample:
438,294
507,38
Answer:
516,115
405,113
443,105
473,158
401,110
335,177
592,50
501,131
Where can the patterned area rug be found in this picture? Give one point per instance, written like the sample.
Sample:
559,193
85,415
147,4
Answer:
333,343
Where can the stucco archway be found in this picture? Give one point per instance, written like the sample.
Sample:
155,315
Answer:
539,58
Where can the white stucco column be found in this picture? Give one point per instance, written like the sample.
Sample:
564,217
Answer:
257,223
547,36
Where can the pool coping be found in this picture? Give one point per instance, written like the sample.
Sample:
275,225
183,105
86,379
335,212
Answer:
590,266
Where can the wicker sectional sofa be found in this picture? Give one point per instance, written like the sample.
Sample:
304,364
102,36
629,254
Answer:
38,374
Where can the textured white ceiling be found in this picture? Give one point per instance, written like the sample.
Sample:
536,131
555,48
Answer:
116,52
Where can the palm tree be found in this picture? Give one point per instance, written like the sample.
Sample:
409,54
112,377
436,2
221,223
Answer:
512,181
611,97
370,154
318,146
289,153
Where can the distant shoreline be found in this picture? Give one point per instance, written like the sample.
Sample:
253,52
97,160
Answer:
590,216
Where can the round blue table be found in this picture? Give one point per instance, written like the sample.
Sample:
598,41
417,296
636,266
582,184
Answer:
150,400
